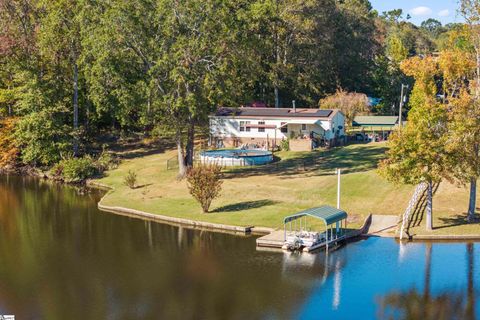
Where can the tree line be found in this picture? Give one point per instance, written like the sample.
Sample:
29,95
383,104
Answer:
72,70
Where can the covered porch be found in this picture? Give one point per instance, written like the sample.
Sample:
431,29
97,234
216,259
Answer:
304,134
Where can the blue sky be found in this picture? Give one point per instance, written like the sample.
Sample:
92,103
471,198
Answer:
420,10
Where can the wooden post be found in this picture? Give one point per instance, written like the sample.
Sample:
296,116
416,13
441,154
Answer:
275,139
338,187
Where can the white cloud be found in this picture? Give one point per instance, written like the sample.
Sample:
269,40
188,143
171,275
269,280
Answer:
444,13
421,11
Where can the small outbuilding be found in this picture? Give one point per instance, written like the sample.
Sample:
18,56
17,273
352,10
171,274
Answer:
378,127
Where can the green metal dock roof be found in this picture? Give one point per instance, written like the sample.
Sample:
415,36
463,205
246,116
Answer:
328,214
368,121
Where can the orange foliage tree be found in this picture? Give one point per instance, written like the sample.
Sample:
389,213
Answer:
205,184
350,103
8,149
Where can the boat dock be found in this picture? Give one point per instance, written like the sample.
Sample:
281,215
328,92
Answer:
276,239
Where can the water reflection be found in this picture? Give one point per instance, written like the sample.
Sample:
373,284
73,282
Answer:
452,304
60,258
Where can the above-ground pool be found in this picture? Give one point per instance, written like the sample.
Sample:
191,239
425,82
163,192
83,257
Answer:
236,157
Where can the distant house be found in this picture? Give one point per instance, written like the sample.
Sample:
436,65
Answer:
380,126
266,127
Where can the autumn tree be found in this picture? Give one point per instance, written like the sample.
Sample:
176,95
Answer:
8,148
417,152
464,121
350,103
466,111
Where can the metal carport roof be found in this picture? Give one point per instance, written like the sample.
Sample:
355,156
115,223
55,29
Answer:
328,214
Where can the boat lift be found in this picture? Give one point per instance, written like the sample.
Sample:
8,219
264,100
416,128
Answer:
298,235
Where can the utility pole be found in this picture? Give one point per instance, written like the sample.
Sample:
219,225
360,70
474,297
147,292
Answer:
339,172
403,96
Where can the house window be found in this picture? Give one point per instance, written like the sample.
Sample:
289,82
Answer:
244,126
284,127
304,127
261,123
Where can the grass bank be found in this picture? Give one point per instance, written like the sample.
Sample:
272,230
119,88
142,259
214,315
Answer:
262,196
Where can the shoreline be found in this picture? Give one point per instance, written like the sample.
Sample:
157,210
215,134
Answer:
217,227
194,224
257,230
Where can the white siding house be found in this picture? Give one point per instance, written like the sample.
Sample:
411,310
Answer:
268,126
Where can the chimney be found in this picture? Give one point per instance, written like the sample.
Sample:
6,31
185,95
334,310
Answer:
294,108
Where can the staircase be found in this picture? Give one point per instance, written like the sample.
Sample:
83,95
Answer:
416,207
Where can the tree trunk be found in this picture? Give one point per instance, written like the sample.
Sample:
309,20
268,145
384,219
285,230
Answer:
472,206
182,169
429,225
277,99
190,144
87,118
75,109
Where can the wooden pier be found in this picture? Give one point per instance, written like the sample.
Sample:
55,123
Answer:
272,240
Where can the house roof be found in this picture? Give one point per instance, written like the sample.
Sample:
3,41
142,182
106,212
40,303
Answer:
360,121
275,113
327,214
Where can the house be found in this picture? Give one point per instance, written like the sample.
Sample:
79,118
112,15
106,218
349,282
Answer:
267,127
379,126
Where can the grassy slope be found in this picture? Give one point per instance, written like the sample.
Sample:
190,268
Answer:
262,196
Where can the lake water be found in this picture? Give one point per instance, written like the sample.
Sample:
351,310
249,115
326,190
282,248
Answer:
61,258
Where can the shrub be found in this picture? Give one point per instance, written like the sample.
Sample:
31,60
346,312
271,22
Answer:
106,161
204,183
75,169
42,137
130,179
285,145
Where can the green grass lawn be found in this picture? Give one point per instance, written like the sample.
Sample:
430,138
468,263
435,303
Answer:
262,196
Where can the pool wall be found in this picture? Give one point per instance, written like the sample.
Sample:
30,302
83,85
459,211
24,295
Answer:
236,158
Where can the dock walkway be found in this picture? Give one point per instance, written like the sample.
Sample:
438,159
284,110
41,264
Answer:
272,240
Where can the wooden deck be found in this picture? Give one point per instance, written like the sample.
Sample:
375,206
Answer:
272,240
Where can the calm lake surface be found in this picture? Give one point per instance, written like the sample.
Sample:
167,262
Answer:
61,258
